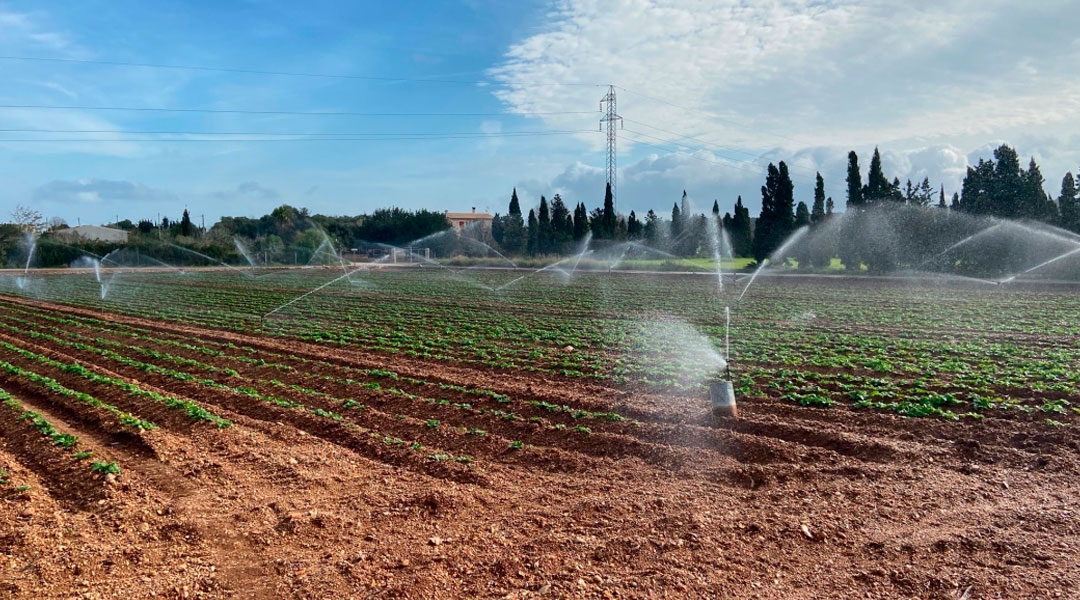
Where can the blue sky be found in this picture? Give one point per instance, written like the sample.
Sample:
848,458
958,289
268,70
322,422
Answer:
936,85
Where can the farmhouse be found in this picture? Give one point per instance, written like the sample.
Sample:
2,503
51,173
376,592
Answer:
462,220
92,233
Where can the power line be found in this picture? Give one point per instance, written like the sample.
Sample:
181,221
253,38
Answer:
297,139
295,112
312,134
116,63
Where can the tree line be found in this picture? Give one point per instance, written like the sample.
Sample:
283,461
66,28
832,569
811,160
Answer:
999,187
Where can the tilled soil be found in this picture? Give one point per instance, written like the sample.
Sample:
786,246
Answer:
784,502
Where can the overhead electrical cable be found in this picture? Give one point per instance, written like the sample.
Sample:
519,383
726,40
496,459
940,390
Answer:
117,63
294,112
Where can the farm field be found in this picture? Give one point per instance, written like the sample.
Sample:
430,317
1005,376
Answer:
420,433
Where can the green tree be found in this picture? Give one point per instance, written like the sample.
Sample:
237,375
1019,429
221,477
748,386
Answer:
802,215
854,182
676,221
829,206
543,231
941,198
633,227
1068,204
817,214
562,226
532,246
741,230
187,228
608,221
653,235
581,222
777,218
877,187
514,233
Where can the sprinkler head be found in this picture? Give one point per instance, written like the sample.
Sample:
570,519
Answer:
722,398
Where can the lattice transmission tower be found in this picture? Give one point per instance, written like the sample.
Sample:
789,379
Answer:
607,106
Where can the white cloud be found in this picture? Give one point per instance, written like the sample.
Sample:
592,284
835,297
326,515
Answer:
95,191
802,73
251,190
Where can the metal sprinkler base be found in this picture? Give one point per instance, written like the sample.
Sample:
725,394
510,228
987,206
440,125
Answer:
722,396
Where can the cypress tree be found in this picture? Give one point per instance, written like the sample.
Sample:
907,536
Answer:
877,186
187,228
854,182
562,226
785,203
828,207
633,227
543,231
802,215
532,246
955,201
596,223
716,209
1067,204
676,221
941,198
741,234
581,222
817,215
498,227
767,233
513,234
609,222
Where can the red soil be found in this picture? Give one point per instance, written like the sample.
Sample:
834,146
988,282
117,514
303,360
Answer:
786,502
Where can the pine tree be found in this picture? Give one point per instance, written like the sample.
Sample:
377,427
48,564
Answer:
653,234
1068,204
817,215
895,193
609,222
854,182
924,194
533,244
1034,203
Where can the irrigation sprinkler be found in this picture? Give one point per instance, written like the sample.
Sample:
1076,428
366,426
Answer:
722,396
721,388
